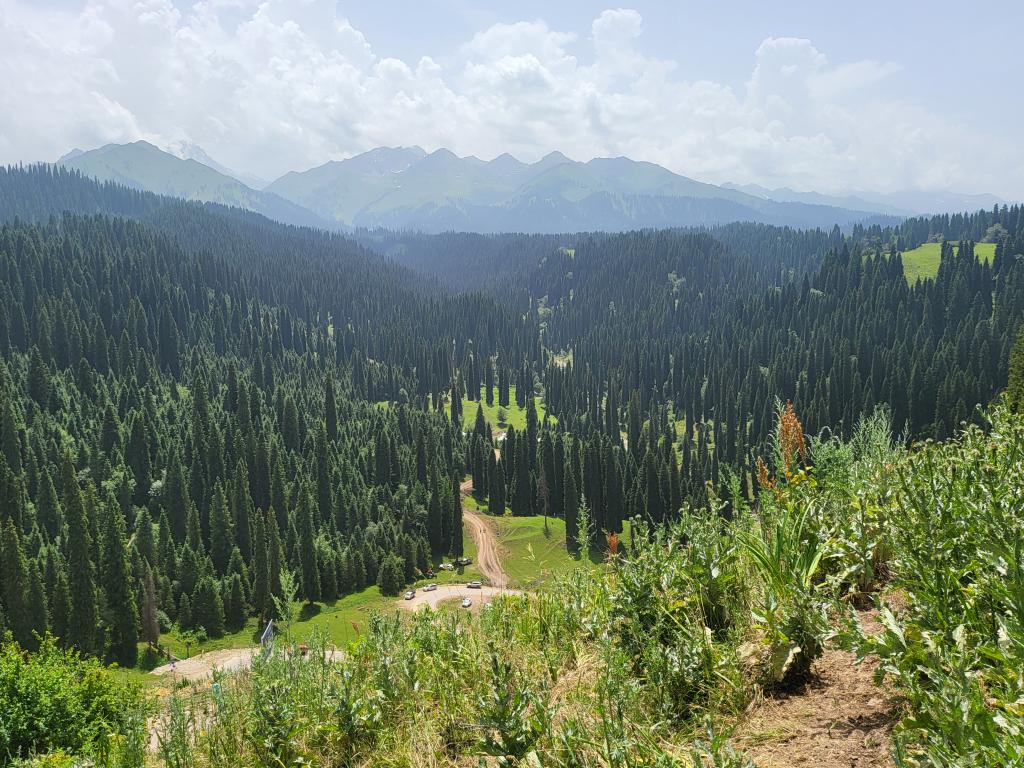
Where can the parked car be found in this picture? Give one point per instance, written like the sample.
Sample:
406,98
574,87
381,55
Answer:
466,602
447,567
475,585
410,594
430,587
463,560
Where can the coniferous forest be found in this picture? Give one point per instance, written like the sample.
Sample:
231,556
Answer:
190,395
207,416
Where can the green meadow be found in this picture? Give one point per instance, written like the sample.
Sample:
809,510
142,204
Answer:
923,261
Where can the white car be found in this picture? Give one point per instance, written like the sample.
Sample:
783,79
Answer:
410,594
475,585
466,602
430,588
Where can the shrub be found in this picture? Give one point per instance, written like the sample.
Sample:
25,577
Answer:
54,700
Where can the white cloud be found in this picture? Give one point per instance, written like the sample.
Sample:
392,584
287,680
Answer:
270,85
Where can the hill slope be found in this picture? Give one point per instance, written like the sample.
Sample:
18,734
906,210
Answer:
142,166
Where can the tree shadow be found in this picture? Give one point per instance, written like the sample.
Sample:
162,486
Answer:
309,610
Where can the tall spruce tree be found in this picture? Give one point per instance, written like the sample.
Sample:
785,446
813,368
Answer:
121,610
14,585
84,618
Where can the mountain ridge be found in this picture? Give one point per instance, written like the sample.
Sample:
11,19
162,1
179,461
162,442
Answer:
407,187
440,191
141,165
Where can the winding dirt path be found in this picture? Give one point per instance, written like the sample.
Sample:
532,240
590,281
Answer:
487,559
482,530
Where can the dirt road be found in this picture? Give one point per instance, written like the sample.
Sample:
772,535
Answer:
202,665
488,559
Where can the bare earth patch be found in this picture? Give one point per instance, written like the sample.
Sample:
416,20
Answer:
202,665
841,718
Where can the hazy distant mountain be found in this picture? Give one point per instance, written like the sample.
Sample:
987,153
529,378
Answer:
404,187
186,150
907,203
143,166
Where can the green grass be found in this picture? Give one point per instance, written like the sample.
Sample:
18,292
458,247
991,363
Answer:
335,619
923,261
532,555
515,416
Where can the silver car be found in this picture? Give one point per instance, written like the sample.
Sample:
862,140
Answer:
466,602
410,594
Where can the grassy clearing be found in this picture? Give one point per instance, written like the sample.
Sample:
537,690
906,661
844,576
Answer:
923,261
563,358
535,554
340,621
532,554
514,415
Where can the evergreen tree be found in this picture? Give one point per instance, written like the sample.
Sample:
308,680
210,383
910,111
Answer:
235,609
121,612
9,440
38,601
150,623
222,532
260,570
14,586
434,526
390,576
330,409
137,458
1015,386
457,544
207,607
84,617
571,511
496,498
59,598
308,564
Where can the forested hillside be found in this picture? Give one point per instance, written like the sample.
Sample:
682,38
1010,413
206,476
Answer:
183,419
189,392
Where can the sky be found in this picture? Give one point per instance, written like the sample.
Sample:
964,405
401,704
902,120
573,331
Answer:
824,96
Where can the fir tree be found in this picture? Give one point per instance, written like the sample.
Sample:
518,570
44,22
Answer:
207,607
310,568
1015,385
118,586
59,597
14,585
456,521
84,617
390,577
149,621
222,532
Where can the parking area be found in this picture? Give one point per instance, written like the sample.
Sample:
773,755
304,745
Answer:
454,592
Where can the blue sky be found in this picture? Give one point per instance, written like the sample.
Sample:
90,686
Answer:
814,95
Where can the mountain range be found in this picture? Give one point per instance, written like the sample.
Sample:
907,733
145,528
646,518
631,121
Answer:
143,166
409,188
905,203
